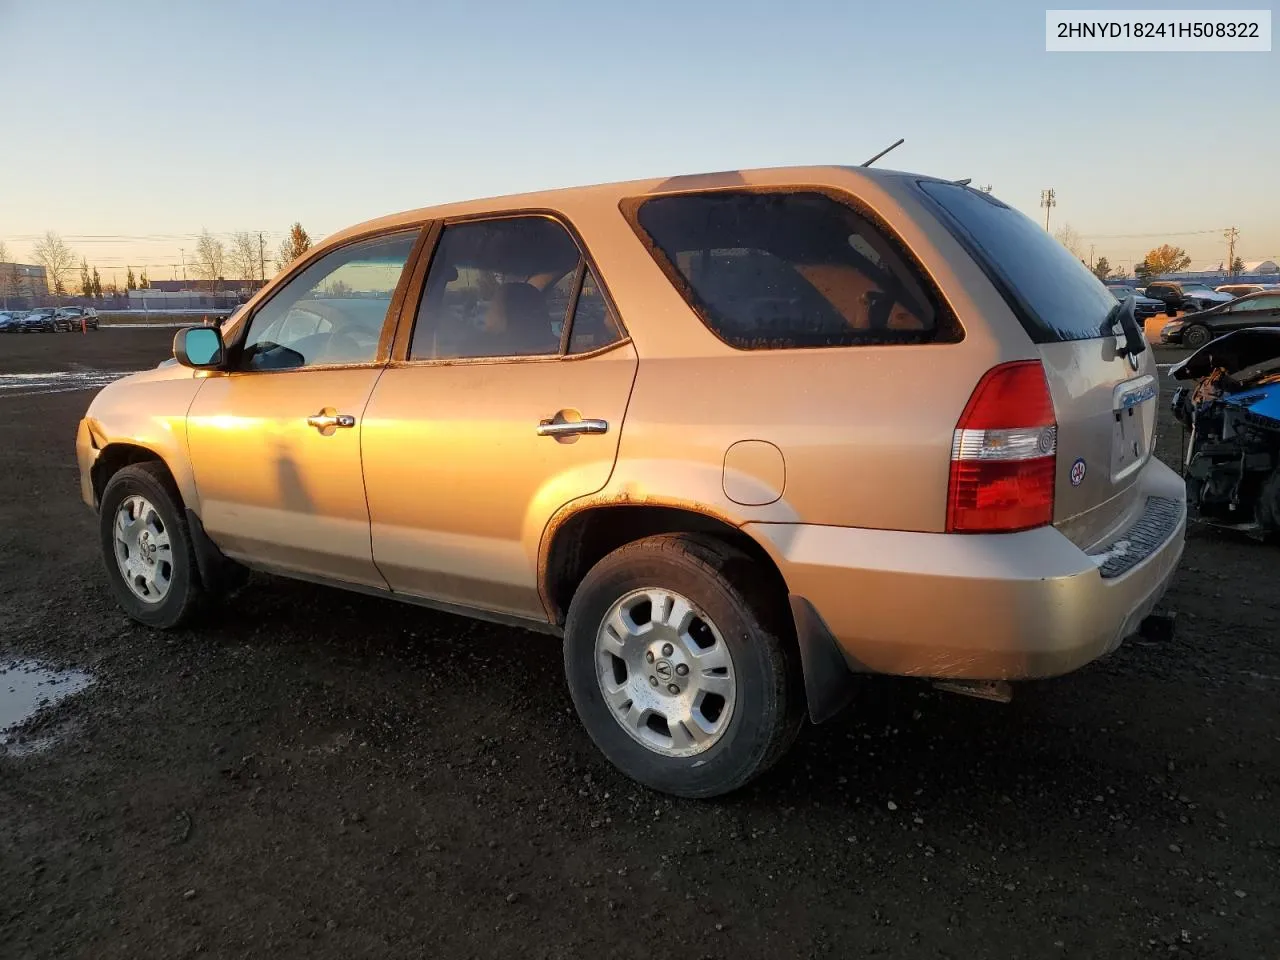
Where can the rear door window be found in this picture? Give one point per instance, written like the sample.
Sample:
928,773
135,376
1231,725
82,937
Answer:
1055,296
510,287
789,270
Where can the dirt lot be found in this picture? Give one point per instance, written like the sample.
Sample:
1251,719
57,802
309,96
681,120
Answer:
323,775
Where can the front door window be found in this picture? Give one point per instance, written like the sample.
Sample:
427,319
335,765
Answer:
333,312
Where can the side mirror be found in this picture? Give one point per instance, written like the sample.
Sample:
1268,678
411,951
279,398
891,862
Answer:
200,348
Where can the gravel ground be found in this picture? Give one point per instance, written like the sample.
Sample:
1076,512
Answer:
323,775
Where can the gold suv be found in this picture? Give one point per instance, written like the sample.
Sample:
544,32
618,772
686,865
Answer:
732,436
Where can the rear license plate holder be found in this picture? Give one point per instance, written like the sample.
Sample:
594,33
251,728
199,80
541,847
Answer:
1134,408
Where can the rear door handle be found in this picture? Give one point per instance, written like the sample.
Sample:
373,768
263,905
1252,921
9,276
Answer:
571,428
325,421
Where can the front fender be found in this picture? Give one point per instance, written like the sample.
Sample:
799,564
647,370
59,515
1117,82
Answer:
146,411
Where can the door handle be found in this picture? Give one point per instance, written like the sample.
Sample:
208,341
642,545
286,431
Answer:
571,428
325,421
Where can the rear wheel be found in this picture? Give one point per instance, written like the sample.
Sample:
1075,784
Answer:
1196,335
1268,506
147,547
682,682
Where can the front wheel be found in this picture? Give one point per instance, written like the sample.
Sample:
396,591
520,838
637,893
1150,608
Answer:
147,547
1196,336
682,670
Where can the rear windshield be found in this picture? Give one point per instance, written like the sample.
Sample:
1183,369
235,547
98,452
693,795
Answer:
1055,296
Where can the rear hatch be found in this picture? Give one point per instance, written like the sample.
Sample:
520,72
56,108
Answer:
1105,404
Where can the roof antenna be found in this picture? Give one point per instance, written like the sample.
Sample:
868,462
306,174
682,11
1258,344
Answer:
899,142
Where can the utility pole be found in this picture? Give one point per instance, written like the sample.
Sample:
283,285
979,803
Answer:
262,257
1231,234
1048,200
1091,256
183,254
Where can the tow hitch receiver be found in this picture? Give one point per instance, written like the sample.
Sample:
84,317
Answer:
1001,691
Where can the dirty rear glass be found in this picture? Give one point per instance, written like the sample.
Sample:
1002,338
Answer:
788,270
1053,294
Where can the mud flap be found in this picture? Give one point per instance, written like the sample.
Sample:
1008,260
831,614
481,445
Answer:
217,572
828,682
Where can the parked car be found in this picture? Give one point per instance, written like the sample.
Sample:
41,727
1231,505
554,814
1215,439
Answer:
1240,289
1254,310
720,433
1185,295
38,321
74,319
9,323
1145,307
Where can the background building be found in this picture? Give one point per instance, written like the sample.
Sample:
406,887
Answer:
21,285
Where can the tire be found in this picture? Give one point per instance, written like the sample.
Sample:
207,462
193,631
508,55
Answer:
733,611
1267,509
1196,336
182,597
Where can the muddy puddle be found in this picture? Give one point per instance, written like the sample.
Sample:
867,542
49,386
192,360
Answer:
26,688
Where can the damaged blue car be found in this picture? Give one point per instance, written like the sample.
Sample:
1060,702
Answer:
1232,415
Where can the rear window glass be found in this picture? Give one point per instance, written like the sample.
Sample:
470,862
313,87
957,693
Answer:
788,270
1055,296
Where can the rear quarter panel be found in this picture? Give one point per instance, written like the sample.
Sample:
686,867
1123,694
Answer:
865,432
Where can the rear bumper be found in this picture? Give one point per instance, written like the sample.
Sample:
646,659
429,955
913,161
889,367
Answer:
983,607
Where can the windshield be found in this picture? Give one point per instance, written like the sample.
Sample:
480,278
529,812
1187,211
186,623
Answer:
1122,292
1198,287
1055,296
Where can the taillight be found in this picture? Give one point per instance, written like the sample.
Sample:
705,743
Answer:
1004,453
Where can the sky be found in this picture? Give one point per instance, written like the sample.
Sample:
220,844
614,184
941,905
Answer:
130,126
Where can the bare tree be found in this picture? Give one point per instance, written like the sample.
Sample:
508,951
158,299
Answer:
57,259
244,257
1067,236
210,259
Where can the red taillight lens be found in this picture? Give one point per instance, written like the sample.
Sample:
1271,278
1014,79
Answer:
1004,454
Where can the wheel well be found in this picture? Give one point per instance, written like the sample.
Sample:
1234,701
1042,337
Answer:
114,457
590,535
